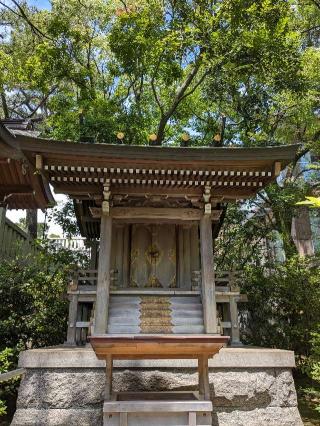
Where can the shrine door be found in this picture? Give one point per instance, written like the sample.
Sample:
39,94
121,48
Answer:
153,256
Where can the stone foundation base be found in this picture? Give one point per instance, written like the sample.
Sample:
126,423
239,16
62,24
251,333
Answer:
249,386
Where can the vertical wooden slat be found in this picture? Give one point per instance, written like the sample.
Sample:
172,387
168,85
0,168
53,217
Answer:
126,257
8,242
140,268
93,255
113,249
186,257
84,317
195,253
2,229
207,273
119,254
103,284
180,257
79,318
235,331
73,311
164,238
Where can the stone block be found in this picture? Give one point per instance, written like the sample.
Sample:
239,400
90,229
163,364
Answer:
61,389
57,417
66,386
269,416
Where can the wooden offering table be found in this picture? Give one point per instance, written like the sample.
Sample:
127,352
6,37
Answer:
156,346
158,408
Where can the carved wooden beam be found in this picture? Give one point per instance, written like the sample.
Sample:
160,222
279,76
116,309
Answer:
154,213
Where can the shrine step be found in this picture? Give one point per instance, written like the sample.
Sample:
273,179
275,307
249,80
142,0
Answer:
157,409
155,314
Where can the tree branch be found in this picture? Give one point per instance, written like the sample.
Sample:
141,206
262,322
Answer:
316,27
316,3
43,101
24,16
180,94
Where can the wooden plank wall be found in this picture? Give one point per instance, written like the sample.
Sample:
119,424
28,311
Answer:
188,254
13,240
120,255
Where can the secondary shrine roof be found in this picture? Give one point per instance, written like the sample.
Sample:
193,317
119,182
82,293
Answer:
29,164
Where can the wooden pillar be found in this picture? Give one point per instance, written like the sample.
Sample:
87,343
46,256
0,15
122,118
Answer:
203,371
234,318
207,274
73,314
103,284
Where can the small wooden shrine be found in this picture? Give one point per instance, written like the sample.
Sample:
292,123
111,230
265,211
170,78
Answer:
148,214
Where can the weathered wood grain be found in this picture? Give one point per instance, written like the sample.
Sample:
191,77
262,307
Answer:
103,285
207,273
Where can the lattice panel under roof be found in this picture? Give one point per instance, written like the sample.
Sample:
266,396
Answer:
233,184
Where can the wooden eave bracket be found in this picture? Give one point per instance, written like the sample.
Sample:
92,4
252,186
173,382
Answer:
105,208
207,200
277,168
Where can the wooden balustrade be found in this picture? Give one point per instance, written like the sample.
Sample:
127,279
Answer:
82,290
14,240
224,280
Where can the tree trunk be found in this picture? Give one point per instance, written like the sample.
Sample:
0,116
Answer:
4,105
32,223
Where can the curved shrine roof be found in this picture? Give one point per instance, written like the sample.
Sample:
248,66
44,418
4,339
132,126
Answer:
29,164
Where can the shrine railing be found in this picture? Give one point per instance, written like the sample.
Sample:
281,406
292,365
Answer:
87,279
74,244
83,284
14,240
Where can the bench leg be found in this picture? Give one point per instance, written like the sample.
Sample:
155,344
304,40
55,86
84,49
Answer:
108,387
192,419
203,371
123,419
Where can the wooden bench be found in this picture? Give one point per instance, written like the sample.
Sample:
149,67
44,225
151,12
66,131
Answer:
120,410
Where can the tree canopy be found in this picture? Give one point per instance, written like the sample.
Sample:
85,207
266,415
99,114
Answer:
244,70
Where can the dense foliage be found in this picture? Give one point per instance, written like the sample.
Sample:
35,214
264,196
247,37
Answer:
246,70
7,389
33,297
34,305
283,304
